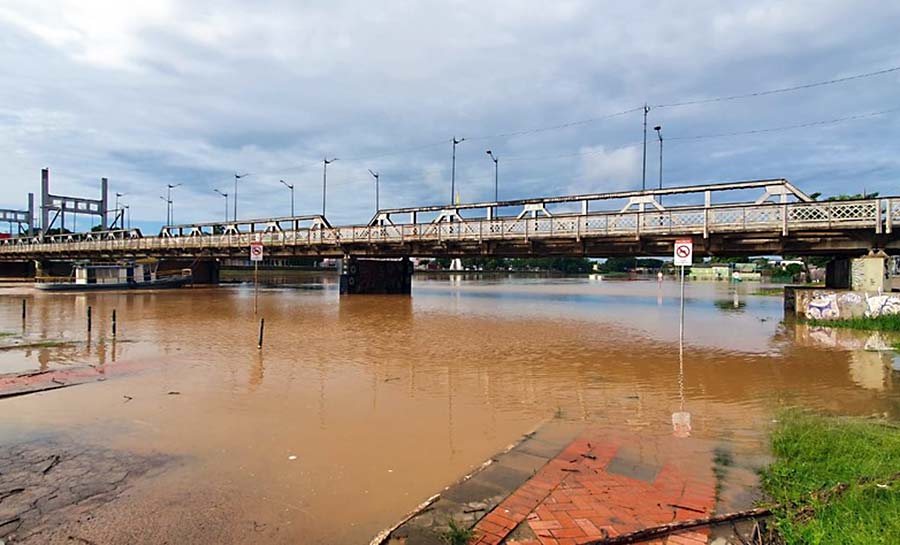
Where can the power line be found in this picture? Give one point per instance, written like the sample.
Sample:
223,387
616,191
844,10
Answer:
779,90
786,127
557,127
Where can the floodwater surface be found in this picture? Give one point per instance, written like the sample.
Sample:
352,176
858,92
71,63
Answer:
358,408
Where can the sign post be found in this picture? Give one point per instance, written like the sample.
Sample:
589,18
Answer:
256,255
684,257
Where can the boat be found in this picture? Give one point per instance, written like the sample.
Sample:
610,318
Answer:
116,276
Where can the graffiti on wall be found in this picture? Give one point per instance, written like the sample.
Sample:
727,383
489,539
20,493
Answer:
823,307
882,305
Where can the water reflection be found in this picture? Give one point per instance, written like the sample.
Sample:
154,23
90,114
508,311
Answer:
426,387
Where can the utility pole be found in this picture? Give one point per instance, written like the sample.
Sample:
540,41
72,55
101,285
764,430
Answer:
644,167
453,168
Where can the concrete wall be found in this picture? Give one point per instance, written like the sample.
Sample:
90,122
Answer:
828,304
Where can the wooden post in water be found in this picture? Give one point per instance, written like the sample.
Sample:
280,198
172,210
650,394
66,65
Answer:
114,323
89,319
23,309
262,325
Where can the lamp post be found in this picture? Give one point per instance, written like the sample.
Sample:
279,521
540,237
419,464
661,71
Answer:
658,130
126,212
171,215
236,178
122,220
496,178
168,209
226,202
325,162
376,176
453,168
291,187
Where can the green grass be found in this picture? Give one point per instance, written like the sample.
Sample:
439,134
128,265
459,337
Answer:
769,291
4,334
890,322
457,534
814,453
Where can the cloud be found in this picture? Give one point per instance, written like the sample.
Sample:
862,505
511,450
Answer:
190,93
612,170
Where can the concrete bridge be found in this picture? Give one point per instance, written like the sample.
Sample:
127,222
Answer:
757,217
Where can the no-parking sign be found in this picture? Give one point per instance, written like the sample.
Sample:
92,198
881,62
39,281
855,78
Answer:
684,252
256,251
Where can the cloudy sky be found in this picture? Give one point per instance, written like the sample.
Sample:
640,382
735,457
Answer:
161,92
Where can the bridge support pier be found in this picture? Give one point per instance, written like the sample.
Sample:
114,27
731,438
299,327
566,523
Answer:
376,276
203,272
17,270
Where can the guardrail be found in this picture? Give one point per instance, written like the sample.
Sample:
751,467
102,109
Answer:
877,215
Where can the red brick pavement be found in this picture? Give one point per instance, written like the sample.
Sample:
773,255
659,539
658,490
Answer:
575,498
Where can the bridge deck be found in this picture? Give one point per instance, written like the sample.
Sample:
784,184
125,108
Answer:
828,227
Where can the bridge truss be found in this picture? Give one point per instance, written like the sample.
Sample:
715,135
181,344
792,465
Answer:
776,219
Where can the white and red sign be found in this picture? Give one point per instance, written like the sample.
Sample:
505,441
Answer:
256,251
684,252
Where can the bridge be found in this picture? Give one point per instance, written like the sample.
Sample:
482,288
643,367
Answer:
778,218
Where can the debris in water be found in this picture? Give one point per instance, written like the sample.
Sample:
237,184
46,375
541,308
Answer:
174,393
127,398
292,457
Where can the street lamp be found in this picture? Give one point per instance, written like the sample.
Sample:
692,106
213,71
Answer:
127,214
236,178
496,182
122,219
325,162
376,176
291,187
226,202
168,209
453,168
171,214
658,130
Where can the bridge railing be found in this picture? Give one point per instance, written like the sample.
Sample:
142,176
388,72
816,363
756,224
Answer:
878,215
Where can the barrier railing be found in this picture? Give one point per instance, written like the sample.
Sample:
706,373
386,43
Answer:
875,214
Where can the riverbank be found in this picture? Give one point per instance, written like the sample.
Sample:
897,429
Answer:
839,477
888,322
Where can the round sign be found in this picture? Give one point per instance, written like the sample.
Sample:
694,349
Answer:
683,251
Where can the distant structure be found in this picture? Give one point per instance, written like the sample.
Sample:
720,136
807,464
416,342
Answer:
23,219
55,207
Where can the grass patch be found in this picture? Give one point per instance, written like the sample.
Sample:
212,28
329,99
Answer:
769,291
5,334
814,453
457,534
890,322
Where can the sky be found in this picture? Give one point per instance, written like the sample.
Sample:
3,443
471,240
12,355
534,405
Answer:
155,93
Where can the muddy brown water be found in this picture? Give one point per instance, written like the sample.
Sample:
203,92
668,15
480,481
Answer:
358,408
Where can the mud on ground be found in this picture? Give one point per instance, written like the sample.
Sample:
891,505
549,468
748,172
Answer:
47,483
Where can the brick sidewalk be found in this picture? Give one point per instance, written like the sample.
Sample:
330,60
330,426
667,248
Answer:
601,486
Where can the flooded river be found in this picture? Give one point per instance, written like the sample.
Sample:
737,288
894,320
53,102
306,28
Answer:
358,408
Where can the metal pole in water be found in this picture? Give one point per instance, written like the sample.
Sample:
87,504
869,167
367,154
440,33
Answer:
681,321
23,309
262,325
256,287
89,319
114,323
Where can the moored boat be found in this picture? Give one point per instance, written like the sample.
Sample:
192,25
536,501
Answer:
116,276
